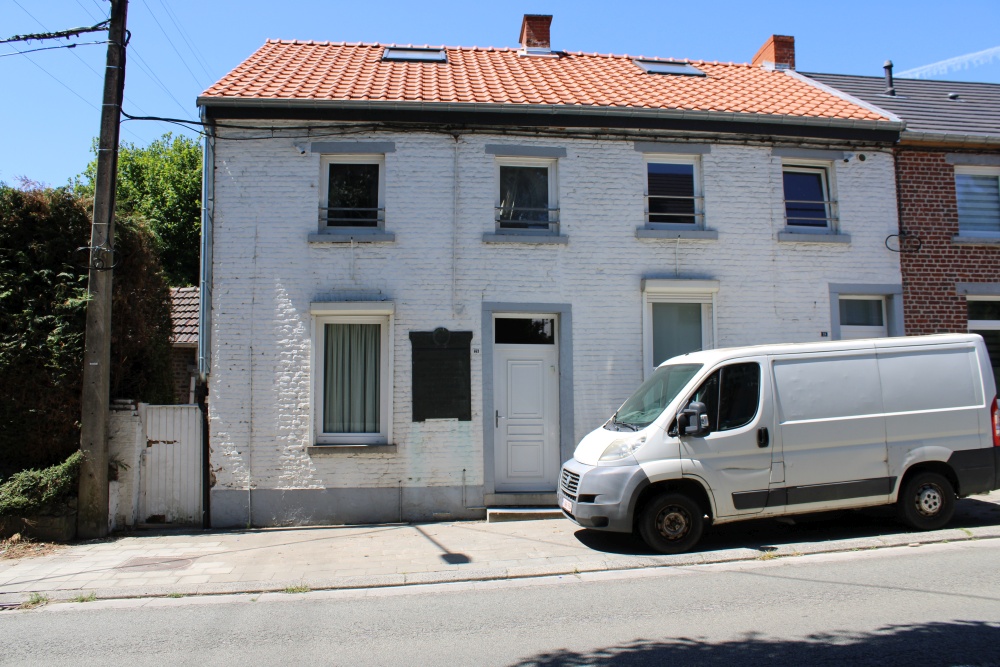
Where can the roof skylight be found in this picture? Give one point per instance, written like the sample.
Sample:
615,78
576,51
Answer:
666,67
407,53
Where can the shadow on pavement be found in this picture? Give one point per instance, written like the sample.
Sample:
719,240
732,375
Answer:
764,533
953,643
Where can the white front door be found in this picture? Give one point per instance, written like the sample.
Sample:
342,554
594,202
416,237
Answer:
526,402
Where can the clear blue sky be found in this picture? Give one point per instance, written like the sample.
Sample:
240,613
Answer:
51,104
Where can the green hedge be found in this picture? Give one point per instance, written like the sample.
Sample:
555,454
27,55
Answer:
43,301
32,492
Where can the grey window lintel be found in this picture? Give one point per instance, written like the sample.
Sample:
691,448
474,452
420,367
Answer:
676,148
355,147
975,240
357,237
978,289
504,150
538,239
806,153
690,234
970,160
806,237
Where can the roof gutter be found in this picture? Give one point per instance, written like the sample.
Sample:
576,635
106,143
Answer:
514,110
951,139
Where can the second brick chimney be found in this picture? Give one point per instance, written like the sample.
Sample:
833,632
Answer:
535,33
778,52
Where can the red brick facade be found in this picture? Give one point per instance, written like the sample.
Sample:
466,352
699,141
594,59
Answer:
928,209
184,363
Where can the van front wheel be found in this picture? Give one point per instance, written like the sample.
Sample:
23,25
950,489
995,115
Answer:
926,501
671,523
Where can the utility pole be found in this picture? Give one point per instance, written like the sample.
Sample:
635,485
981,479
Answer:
92,508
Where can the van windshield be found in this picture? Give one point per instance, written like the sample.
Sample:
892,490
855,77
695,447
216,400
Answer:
652,398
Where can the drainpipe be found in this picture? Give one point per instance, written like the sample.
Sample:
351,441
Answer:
204,313
205,286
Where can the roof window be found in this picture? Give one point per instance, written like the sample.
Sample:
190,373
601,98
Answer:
667,67
406,53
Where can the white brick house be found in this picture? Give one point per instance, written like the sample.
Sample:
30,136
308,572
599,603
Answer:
523,319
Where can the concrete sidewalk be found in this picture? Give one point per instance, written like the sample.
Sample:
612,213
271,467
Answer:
295,559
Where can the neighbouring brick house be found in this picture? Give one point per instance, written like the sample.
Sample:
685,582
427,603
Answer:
184,342
429,271
948,178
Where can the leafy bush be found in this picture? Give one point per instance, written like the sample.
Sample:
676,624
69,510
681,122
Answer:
160,183
36,491
43,300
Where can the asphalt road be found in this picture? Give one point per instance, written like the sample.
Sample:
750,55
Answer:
928,605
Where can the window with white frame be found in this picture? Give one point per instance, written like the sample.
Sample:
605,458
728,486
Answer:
352,192
978,193
862,316
673,192
984,319
809,203
527,199
678,317
352,373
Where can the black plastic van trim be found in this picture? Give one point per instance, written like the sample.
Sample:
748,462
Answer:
816,493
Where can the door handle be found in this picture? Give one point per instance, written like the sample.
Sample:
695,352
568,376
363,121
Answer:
497,419
762,437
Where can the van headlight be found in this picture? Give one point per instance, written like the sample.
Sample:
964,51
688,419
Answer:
622,447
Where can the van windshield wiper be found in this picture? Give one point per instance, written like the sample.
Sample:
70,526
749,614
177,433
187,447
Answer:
614,420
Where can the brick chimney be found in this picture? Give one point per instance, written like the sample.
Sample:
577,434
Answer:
778,52
535,33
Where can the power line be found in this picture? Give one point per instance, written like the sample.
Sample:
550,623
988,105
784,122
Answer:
190,44
50,48
84,8
146,68
76,55
172,45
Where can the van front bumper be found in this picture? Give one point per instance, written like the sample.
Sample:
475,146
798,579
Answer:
600,497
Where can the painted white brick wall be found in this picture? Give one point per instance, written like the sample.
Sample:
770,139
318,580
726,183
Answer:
265,274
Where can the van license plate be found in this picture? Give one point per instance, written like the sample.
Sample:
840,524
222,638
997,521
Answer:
567,505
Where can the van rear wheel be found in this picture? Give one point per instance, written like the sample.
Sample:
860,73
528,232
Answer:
926,501
671,523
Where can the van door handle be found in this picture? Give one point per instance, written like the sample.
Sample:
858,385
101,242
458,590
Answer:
762,437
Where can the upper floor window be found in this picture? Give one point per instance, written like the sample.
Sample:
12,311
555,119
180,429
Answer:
527,198
978,192
809,205
673,192
352,192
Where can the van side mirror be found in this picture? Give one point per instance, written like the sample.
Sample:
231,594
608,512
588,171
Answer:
693,420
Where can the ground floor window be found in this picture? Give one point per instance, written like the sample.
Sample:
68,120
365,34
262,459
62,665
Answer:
678,317
862,317
984,319
352,378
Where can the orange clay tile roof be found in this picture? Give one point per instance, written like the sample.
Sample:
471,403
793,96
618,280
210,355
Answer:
324,71
184,312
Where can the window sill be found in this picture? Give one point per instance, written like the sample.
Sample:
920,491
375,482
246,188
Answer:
536,239
688,234
320,451
348,237
975,240
813,237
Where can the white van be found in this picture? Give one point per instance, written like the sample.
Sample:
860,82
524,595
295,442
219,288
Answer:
743,433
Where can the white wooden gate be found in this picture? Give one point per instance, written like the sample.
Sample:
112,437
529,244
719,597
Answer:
170,479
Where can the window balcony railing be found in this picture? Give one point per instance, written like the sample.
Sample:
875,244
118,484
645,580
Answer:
527,219
674,210
351,217
811,213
